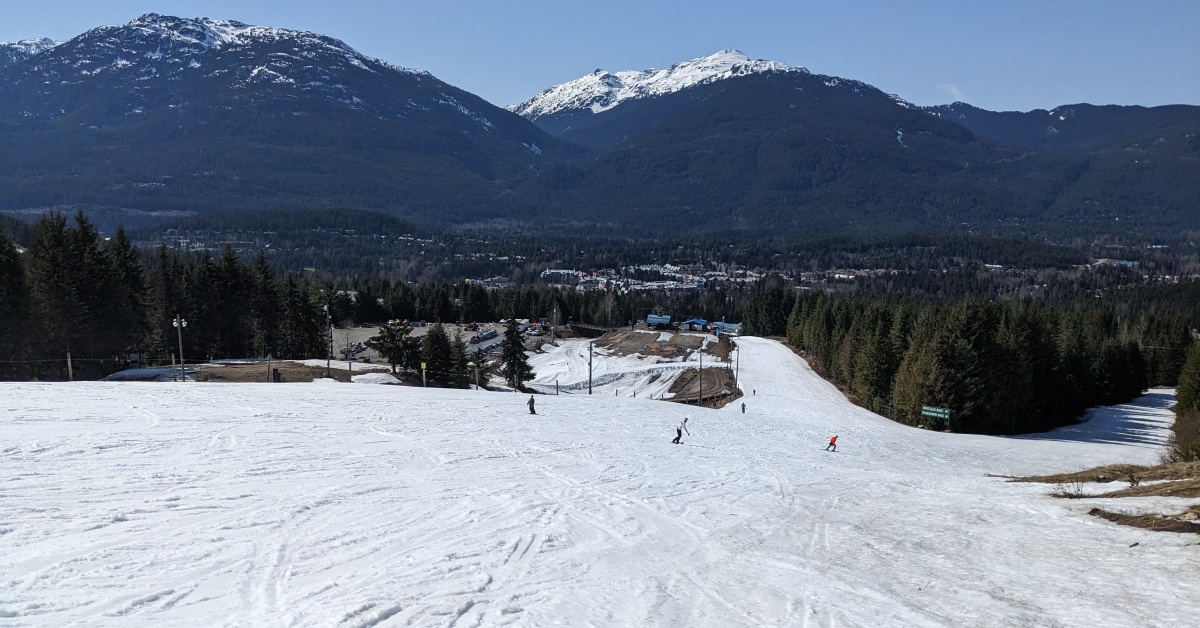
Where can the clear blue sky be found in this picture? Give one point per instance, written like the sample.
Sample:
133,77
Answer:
999,55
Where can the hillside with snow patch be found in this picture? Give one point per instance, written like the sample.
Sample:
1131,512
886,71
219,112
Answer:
323,504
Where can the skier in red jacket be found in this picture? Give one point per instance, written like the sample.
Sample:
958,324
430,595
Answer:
832,444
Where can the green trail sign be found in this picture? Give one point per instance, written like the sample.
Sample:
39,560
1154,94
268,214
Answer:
937,413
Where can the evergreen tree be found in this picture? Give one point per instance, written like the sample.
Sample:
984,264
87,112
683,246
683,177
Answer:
437,356
233,307
514,364
131,322
390,343
1187,394
458,361
266,306
53,278
15,309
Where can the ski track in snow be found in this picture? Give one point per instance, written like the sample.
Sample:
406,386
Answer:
329,505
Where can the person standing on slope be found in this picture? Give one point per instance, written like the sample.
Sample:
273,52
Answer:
743,407
531,402
832,443
680,430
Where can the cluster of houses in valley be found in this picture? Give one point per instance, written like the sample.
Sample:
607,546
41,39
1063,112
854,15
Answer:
665,277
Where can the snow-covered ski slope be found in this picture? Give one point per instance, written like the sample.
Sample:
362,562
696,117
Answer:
192,504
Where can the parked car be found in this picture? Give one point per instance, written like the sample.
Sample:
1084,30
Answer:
480,337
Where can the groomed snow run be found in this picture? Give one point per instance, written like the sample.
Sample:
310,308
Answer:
199,504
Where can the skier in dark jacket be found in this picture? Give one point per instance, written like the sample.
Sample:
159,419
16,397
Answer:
531,402
680,430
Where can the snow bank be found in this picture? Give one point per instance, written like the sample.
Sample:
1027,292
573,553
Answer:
375,378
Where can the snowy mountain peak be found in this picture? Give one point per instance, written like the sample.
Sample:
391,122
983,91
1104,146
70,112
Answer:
14,51
209,33
602,90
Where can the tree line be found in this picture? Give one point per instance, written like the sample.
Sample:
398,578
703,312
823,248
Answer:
998,367
102,301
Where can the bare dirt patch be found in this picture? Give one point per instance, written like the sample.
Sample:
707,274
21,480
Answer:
1173,479
625,342
1177,488
718,387
289,372
1184,522
1109,473
645,343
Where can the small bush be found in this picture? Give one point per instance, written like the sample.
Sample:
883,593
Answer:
1069,490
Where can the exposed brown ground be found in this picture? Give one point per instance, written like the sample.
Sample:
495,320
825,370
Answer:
290,372
1161,523
718,387
625,342
1174,479
1108,473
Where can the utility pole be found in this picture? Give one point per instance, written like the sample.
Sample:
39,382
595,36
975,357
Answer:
179,324
700,399
329,356
737,361
70,369
590,368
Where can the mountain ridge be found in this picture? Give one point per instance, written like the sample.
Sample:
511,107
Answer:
193,114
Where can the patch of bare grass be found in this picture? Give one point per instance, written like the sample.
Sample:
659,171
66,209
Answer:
1184,522
1177,488
1171,479
1112,472
288,371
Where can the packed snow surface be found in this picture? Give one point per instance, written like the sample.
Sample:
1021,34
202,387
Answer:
324,504
602,90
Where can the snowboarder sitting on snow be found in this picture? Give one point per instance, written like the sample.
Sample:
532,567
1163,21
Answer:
832,443
680,430
531,402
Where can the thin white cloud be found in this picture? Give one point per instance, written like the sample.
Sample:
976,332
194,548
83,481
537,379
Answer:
954,92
